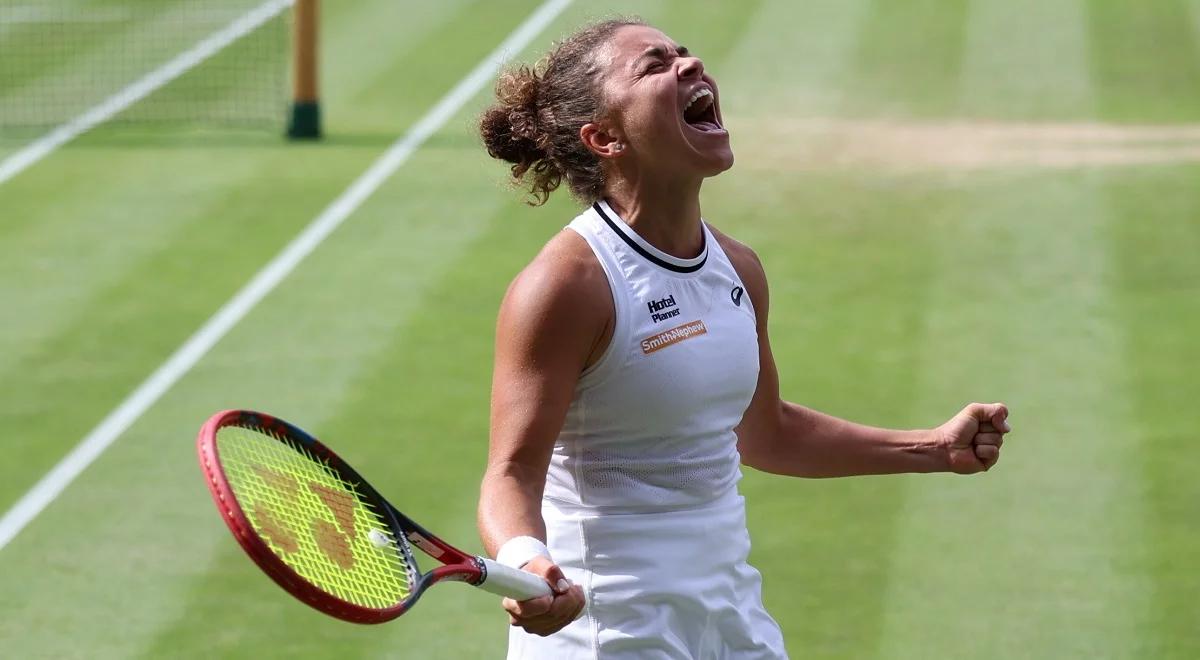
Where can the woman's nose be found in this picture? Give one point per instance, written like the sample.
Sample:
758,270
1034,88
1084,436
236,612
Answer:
690,67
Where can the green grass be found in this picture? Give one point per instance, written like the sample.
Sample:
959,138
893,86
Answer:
899,293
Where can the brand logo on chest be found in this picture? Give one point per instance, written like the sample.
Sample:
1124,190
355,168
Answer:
673,336
663,308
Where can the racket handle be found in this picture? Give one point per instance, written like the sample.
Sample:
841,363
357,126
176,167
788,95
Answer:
512,582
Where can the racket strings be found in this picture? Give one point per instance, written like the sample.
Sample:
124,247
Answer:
313,520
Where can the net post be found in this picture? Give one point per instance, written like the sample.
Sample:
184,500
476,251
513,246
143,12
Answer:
305,120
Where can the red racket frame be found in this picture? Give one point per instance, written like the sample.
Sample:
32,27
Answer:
456,565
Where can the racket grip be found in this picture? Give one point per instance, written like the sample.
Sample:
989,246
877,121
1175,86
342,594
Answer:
512,582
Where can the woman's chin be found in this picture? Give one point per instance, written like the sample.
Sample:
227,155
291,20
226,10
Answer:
710,151
718,161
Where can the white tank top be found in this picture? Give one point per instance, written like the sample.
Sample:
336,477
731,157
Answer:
651,423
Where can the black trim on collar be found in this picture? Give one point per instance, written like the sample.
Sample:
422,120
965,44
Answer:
650,257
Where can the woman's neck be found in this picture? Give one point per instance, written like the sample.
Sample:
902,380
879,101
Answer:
666,216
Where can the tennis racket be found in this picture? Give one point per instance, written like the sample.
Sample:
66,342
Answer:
322,532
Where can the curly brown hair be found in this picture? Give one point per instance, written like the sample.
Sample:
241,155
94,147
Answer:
539,110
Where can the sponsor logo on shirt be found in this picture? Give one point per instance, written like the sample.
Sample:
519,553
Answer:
663,308
736,295
673,336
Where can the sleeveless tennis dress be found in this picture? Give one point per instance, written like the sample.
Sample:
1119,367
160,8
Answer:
641,503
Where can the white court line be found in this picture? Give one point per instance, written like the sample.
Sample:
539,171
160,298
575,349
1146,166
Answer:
146,394
113,105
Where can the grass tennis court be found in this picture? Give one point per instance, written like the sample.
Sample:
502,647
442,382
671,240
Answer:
954,200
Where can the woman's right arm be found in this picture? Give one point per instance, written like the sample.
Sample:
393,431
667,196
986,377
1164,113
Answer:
552,324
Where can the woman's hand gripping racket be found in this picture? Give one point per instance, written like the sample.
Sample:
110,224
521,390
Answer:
322,532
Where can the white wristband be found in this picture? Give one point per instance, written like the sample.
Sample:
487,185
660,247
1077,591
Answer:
517,551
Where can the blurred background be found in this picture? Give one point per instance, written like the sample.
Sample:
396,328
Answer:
954,200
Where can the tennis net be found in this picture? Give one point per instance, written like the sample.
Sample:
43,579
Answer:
210,62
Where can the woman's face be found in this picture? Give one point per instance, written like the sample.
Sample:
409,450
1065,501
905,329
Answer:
663,106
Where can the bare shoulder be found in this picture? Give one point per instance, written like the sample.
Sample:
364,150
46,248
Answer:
562,294
564,270
747,264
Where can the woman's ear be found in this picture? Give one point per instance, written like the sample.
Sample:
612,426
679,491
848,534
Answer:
601,141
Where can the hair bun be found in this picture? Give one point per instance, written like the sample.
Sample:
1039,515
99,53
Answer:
510,128
539,112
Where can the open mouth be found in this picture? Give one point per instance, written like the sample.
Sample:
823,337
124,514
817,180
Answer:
701,111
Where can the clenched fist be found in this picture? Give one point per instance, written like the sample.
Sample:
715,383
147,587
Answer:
972,438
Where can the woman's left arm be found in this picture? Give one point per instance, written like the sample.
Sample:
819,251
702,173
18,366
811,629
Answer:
786,438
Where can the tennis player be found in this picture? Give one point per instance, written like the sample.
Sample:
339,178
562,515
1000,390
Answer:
634,375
